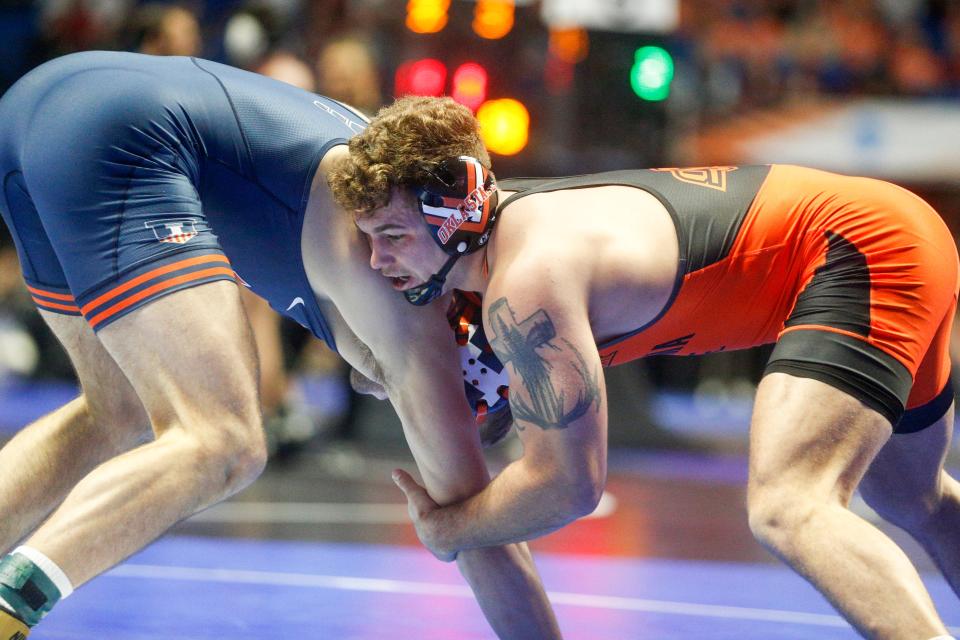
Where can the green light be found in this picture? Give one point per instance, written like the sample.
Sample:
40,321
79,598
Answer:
652,73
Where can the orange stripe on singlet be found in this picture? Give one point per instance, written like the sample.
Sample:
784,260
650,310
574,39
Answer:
46,304
160,286
150,275
49,294
820,327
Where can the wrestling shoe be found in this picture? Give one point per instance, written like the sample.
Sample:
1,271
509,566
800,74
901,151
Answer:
11,627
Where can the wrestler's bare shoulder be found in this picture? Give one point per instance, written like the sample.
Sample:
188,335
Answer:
618,243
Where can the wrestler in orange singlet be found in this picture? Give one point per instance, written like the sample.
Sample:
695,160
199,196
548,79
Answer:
854,279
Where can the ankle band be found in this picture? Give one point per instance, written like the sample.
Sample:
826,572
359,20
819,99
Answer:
26,588
49,567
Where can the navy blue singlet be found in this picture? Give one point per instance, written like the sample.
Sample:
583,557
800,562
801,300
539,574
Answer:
127,177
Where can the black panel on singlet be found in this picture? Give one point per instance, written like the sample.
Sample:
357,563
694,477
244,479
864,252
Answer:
839,293
708,204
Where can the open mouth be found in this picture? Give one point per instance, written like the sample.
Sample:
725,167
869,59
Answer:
400,282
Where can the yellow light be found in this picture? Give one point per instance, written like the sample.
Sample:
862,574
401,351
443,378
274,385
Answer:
504,126
427,16
569,45
493,19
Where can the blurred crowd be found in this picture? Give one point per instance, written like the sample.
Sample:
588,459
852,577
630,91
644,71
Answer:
758,53
751,51
240,32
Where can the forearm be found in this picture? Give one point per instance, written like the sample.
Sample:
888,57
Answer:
520,504
508,589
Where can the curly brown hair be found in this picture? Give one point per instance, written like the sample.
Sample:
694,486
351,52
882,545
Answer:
403,143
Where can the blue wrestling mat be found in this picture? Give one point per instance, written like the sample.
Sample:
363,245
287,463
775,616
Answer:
199,588
323,549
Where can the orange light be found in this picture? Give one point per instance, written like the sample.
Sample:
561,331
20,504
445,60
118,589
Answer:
470,85
504,125
427,16
569,45
493,19
426,77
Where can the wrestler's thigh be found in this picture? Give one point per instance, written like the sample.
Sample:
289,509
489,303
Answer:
190,356
808,436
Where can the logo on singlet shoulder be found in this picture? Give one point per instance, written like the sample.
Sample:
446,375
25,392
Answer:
710,177
356,127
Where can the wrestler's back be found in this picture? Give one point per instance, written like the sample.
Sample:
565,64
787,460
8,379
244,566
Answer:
750,238
248,145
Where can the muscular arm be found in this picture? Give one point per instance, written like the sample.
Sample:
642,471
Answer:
414,356
558,401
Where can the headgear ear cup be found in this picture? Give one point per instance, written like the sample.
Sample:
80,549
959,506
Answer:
484,378
458,203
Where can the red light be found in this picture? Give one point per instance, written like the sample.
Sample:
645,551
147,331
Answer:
425,77
470,85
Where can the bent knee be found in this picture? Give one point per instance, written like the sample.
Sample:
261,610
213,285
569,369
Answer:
230,451
249,456
777,514
238,450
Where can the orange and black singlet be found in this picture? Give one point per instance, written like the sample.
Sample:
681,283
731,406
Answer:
855,279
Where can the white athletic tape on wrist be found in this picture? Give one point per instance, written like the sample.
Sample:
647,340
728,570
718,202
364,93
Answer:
49,567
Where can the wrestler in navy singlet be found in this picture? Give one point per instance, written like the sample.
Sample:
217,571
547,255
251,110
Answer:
127,177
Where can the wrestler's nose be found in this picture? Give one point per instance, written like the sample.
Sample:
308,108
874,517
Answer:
378,257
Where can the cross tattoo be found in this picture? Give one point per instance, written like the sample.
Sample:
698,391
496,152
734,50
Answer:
523,338
517,343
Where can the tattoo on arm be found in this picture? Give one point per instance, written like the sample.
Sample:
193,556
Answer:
518,343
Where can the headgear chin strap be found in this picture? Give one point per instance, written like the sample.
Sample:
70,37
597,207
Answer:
459,205
432,288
